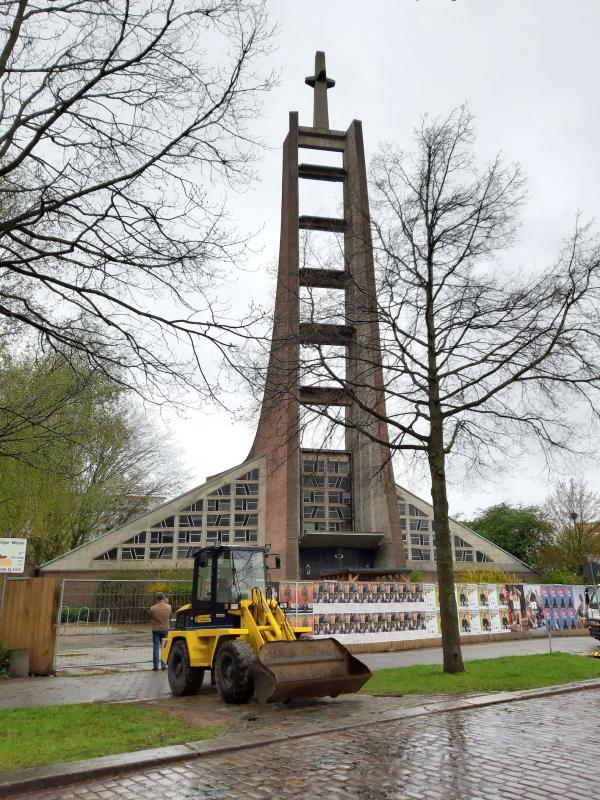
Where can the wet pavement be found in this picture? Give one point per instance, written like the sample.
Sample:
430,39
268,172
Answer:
143,684
536,749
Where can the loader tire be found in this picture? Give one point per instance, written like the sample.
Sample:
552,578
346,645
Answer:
183,678
234,671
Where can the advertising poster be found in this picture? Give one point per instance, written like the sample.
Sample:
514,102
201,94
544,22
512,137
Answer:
430,595
466,622
485,620
578,593
534,610
431,623
515,600
495,620
487,595
462,595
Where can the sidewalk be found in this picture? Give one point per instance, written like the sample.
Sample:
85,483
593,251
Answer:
119,687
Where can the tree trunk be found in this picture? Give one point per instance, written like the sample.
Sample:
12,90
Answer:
453,661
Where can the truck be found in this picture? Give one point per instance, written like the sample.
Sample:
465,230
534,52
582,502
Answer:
235,628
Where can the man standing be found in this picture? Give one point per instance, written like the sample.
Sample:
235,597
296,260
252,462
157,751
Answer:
161,618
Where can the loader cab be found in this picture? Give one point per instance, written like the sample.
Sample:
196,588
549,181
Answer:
222,577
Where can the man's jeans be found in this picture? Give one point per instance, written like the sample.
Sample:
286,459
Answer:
157,637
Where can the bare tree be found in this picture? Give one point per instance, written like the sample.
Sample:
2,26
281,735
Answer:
573,510
117,119
477,360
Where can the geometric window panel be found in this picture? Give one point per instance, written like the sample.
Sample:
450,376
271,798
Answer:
338,467
186,552
139,538
464,555
242,489
338,482
245,536
309,466
190,537
224,490
419,524
217,520
133,553
420,554
197,506
161,537
190,520
481,557
314,512
219,505
318,481
217,536
161,552
413,511
169,522
249,476
109,555
246,519
458,542
250,504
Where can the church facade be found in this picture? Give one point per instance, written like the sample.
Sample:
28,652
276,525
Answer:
318,509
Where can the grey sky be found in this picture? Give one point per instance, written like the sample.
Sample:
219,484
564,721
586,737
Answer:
528,70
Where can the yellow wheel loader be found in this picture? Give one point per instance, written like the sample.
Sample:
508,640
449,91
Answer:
233,629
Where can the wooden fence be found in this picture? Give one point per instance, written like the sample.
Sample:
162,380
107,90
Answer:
28,619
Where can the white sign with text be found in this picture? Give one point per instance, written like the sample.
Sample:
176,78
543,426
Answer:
12,555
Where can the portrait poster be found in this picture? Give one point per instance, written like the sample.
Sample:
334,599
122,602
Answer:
578,593
485,620
487,595
462,595
515,598
468,622
534,610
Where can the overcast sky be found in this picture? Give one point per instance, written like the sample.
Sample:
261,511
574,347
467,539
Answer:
528,70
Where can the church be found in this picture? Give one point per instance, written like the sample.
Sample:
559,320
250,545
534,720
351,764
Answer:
320,510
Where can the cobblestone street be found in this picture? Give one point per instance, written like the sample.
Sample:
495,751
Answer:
535,749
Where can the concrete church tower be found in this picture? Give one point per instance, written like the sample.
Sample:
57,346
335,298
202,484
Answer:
327,508
319,509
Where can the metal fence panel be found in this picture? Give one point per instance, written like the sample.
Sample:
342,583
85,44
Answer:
107,623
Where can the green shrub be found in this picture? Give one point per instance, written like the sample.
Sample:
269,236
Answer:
416,576
561,576
492,575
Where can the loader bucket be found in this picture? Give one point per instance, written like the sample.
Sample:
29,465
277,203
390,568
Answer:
294,670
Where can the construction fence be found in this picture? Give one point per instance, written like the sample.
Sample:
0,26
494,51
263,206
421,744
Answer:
106,623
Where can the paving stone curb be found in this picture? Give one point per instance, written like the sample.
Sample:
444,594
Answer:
34,779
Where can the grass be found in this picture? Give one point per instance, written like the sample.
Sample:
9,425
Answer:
510,673
53,734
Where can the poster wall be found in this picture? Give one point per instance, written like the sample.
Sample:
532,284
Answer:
355,611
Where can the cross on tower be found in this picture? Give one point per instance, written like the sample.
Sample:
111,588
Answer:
320,83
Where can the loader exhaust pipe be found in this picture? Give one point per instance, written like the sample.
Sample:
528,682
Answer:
305,668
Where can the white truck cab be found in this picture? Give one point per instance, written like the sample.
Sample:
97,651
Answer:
594,613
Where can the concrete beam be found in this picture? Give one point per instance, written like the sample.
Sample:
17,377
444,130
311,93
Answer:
323,278
321,333
330,224
320,172
324,396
